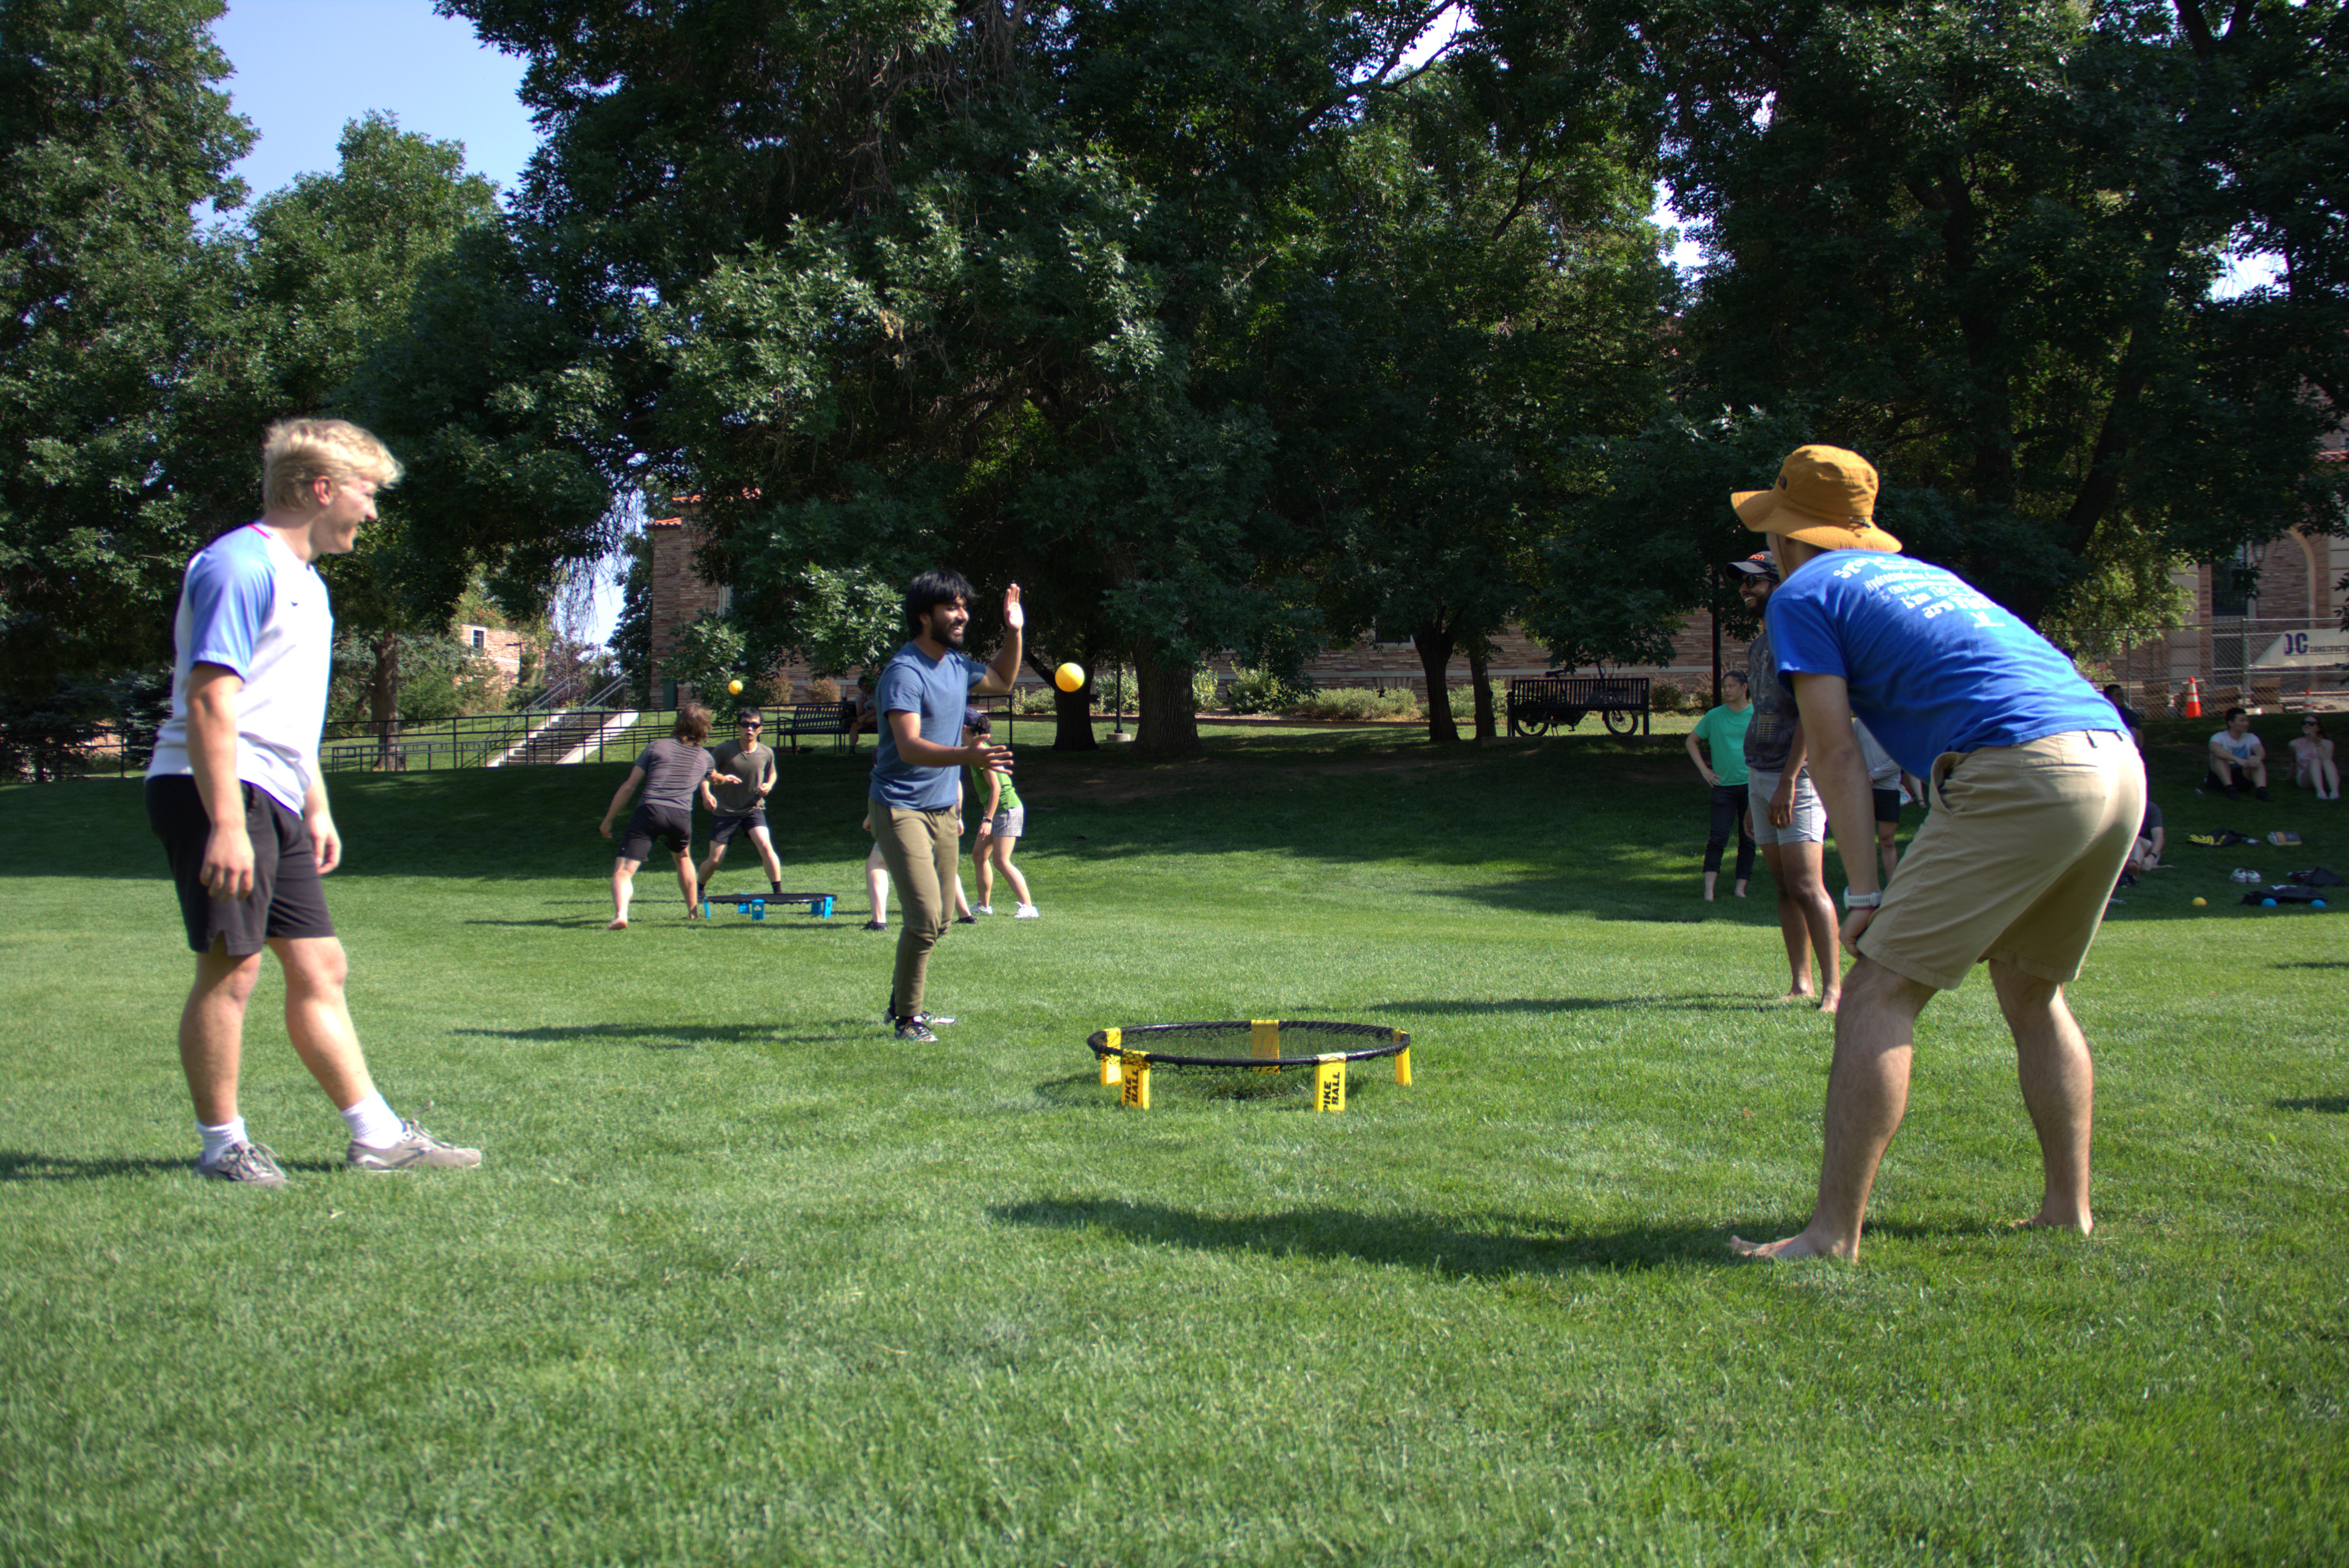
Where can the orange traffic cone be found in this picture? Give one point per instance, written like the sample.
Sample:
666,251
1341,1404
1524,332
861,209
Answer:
2193,697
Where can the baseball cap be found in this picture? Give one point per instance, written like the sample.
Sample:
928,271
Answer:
1761,564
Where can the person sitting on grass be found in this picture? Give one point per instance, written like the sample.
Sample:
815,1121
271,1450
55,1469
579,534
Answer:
2312,764
669,771
2238,758
1001,821
1722,731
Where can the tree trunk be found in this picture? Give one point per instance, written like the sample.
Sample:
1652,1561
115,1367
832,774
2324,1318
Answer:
1169,726
1480,671
383,697
1434,643
1072,719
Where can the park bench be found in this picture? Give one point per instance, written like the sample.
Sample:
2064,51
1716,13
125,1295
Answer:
1539,703
810,718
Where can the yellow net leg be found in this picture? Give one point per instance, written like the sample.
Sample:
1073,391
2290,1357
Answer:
1109,1061
1402,1060
1264,1041
1136,1081
1330,1084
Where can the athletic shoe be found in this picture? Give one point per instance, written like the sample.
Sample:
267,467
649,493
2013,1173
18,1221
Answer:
250,1163
966,920
2267,797
876,925
1026,912
414,1150
982,909
913,1031
928,1020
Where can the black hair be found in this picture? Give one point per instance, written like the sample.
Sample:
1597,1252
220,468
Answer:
975,720
751,712
932,588
2235,713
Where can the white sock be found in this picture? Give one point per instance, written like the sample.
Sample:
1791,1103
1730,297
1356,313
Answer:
372,1124
219,1141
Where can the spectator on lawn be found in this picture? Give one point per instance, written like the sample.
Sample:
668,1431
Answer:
235,794
862,715
2313,763
2237,758
1721,732
741,809
669,769
1788,819
1001,821
2040,798
1886,780
2134,720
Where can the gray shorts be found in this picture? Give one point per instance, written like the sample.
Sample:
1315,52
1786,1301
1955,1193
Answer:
1810,823
1010,822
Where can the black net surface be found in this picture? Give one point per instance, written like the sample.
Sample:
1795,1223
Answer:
1232,1043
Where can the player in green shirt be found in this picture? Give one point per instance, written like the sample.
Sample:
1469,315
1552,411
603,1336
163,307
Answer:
1002,820
1723,731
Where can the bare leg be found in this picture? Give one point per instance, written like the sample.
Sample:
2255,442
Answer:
1804,884
877,885
1867,1091
212,1031
623,888
764,842
982,861
686,884
2059,1089
1002,854
1887,851
1710,878
709,861
318,1019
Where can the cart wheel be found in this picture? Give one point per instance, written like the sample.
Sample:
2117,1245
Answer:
1622,721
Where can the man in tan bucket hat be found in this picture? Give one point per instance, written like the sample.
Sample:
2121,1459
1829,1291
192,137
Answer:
2036,798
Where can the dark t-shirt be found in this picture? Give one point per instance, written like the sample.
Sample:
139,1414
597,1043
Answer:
758,768
672,770
1771,733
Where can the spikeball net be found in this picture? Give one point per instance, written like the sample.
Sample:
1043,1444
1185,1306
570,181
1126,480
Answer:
1129,1055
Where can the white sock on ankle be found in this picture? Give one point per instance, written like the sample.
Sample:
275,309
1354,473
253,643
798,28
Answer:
372,1124
219,1141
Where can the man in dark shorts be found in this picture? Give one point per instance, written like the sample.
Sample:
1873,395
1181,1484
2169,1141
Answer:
741,808
235,794
669,771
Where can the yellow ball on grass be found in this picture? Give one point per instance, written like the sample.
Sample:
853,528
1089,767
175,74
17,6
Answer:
2200,901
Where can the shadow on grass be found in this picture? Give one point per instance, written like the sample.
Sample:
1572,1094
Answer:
1506,1244
22,1165
2311,964
1691,1002
2329,1104
665,1037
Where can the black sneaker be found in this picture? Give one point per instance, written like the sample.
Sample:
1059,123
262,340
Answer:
876,925
966,920
914,1031
931,1020
2267,797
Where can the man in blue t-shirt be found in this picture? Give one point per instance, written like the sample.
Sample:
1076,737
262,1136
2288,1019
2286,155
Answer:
2039,795
921,697
235,794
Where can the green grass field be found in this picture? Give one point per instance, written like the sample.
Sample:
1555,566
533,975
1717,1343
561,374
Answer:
741,1282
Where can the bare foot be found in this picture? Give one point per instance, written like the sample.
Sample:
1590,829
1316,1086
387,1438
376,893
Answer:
1828,1003
617,926
1805,994
1741,889
2044,1221
1794,1247
1708,895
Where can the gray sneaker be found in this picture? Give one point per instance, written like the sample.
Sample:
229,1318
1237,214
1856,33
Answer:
416,1149
913,1031
247,1162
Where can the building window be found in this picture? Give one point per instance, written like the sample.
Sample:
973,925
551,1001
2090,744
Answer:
2235,583
480,637
1388,638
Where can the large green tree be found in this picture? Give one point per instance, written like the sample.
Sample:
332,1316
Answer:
112,137
1977,241
890,284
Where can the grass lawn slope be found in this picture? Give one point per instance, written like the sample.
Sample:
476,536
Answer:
742,1282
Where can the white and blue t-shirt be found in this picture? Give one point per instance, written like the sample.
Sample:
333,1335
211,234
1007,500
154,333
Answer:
1933,664
252,606
937,691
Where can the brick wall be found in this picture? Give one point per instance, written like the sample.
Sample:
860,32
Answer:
679,592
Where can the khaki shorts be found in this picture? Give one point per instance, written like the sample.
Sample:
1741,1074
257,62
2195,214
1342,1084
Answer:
2015,860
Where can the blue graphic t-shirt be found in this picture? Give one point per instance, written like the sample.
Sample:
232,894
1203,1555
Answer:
938,692
1932,664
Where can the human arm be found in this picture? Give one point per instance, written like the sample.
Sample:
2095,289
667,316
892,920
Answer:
636,777
906,729
1696,755
213,690
1840,776
325,842
1006,667
1781,800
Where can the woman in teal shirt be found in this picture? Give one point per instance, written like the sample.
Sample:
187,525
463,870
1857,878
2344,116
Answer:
1722,729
